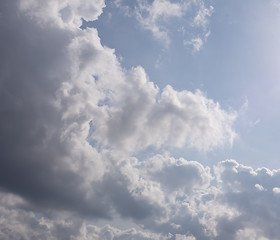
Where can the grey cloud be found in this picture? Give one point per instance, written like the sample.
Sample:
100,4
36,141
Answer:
256,209
125,202
34,159
47,102
71,120
178,174
18,223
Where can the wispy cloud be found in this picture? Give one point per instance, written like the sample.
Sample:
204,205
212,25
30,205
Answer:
155,16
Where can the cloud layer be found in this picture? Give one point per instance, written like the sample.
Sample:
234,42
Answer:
73,121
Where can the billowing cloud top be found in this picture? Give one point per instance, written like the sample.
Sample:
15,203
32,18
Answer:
73,121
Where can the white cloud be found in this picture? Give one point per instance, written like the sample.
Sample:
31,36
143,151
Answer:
183,237
276,190
259,187
160,16
201,19
152,15
196,43
138,113
250,234
64,13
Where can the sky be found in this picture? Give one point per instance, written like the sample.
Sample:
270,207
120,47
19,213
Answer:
143,119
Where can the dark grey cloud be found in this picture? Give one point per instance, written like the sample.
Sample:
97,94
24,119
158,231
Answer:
34,63
16,223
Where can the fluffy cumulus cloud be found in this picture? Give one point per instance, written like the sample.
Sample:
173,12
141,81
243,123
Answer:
251,192
62,13
73,122
136,118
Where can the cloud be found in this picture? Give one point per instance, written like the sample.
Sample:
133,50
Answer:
65,13
160,17
18,223
62,91
178,175
196,43
45,157
257,210
276,190
152,15
275,4
72,122
139,113
200,21
259,187
201,18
